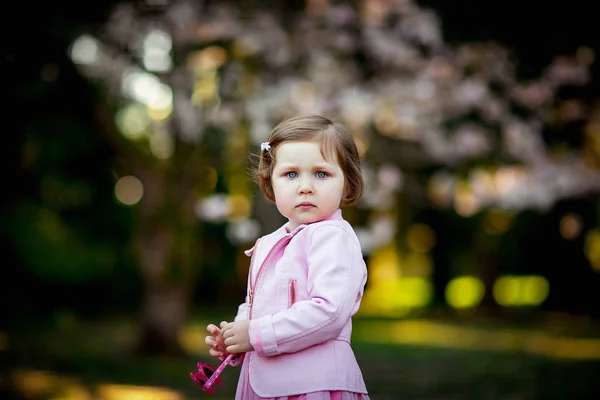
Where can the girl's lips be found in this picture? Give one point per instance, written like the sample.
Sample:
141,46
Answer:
305,205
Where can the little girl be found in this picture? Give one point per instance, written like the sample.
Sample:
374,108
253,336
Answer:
306,279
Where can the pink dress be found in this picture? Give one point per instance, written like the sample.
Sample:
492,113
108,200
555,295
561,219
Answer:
245,392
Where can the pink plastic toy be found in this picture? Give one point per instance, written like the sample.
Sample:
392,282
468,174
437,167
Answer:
206,376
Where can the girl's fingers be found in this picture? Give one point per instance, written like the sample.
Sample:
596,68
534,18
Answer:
212,328
227,331
227,326
233,349
215,353
209,340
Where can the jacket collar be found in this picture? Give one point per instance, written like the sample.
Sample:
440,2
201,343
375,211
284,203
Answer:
285,230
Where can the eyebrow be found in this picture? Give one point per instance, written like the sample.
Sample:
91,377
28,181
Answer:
315,166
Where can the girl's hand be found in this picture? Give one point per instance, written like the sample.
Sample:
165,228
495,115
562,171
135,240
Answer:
215,342
236,338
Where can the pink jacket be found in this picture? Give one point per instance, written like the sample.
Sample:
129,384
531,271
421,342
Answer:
303,288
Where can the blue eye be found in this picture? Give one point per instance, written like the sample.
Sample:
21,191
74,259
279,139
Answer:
291,175
321,175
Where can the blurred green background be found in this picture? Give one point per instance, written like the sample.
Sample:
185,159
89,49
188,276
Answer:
129,203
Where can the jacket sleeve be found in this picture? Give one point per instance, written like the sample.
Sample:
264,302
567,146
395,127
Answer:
335,282
242,313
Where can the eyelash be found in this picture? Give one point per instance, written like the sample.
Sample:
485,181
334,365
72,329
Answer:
287,174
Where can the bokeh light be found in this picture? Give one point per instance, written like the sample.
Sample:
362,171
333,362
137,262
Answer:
464,292
525,290
129,190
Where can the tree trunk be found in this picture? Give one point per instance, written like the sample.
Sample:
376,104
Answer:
166,251
166,290
164,311
487,270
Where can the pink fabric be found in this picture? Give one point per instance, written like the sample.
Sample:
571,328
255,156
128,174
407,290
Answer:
304,348
245,392
255,338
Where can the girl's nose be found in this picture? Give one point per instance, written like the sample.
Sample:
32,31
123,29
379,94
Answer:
305,186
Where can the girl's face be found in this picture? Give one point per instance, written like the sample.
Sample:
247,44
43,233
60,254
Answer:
307,187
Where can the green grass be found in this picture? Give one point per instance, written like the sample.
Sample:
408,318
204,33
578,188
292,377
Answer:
98,352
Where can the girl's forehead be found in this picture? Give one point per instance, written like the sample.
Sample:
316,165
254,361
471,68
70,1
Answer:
299,150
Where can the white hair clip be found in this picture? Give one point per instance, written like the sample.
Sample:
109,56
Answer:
265,146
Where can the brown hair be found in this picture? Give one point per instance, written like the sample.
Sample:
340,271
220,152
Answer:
337,145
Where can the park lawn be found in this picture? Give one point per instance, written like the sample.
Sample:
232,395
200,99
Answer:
74,358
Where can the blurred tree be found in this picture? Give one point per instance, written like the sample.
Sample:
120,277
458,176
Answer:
191,86
55,212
